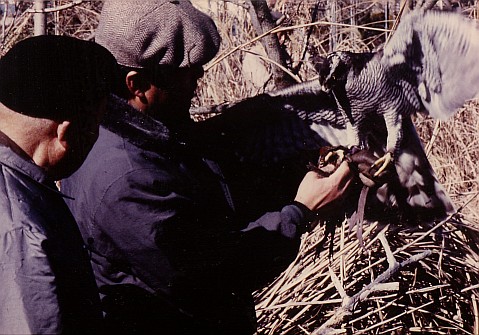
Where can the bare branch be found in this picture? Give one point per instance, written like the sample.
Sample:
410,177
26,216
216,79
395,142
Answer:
57,8
349,302
262,21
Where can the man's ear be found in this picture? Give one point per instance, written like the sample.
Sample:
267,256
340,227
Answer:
137,84
63,139
59,144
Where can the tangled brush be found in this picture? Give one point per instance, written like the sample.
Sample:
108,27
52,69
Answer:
405,280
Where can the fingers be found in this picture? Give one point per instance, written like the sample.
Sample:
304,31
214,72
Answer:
343,170
341,178
317,192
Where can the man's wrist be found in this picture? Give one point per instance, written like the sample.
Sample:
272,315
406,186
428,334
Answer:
308,216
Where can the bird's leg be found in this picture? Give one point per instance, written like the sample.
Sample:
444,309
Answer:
393,120
352,131
353,138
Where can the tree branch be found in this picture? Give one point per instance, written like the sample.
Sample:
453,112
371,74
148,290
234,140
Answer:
57,8
376,285
262,21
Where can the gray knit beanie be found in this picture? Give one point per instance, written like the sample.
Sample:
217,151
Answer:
147,33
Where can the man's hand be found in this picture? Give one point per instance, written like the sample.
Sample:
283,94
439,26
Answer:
325,194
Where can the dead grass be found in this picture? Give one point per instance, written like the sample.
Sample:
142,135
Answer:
454,148
427,284
454,154
434,295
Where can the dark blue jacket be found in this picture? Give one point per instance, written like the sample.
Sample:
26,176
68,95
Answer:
47,285
157,216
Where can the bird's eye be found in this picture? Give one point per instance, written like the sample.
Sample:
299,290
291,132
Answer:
333,77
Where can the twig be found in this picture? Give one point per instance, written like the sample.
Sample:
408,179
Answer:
241,46
4,22
379,309
280,29
435,132
397,20
327,23
301,303
410,311
349,302
474,306
473,287
269,60
55,9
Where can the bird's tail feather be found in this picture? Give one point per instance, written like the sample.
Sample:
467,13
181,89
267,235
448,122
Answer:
421,191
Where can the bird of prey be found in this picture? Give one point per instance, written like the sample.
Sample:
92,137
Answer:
264,144
361,99
429,65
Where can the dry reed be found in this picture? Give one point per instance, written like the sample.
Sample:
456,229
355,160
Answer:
436,293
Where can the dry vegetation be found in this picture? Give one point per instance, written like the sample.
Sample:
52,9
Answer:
437,294
17,20
452,145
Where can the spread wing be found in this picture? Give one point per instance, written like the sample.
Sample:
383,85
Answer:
441,49
273,127
265,142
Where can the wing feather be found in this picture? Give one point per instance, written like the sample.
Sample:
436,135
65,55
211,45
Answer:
441,48
273,127
421,191
266,141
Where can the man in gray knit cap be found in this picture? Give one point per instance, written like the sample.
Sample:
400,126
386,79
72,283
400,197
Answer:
168,253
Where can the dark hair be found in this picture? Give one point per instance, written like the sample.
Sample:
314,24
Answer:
53,77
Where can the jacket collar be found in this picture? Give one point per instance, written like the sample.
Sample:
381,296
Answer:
13,156
13,159
136,127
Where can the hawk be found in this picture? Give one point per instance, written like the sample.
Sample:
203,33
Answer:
429,65
264,144
360,99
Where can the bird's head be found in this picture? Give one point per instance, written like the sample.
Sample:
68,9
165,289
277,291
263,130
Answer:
333,70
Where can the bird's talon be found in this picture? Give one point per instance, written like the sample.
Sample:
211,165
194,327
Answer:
382,164
329,158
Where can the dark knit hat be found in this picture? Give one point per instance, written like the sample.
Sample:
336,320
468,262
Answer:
148,33
53,77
